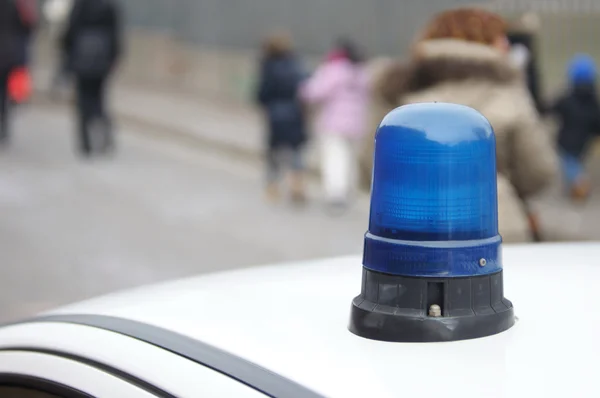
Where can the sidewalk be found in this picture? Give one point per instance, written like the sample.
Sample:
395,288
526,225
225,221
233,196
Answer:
233,128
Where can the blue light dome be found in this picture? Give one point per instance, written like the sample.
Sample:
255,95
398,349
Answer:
434,207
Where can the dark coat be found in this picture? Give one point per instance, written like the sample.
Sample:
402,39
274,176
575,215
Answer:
279,82
13,33
28,21
98,15
532,68
579,117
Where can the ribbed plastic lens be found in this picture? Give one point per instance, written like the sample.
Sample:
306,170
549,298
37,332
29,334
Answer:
434,196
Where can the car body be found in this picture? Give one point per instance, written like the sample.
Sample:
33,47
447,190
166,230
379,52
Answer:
281,330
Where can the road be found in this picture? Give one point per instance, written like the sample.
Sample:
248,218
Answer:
160,209
71,229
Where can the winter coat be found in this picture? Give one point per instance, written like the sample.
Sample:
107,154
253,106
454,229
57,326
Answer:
277,92
100,18
531,67
28,16
578,115
449,70
14,32
340,89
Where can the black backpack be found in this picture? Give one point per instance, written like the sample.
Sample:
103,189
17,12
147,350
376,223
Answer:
92,53
93,50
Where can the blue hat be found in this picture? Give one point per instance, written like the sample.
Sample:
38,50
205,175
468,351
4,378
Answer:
582,69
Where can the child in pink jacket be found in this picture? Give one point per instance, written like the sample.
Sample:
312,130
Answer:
340,90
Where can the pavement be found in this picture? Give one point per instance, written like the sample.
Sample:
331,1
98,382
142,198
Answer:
227,126
160,209
183,196
236,130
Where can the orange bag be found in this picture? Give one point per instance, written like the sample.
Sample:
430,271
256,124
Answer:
19,85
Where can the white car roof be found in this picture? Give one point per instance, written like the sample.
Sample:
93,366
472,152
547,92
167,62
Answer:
292,319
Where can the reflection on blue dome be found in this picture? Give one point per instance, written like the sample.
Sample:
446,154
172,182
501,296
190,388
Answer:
434,175
434,180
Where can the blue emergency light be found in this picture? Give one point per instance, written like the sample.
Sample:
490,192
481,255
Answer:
432,263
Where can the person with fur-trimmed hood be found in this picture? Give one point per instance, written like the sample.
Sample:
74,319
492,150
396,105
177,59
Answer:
462,57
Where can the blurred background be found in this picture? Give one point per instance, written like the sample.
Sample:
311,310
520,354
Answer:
184,193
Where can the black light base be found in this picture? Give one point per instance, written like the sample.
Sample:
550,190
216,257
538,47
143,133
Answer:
410,309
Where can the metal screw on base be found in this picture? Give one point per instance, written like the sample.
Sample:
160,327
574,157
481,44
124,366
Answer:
435,311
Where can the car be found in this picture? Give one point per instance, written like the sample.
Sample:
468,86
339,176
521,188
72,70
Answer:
282,331
430,319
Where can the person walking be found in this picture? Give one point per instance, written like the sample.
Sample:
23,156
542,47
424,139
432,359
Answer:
277,93
462,57
578,112
92,47
339,89
28,16
523,36
13,29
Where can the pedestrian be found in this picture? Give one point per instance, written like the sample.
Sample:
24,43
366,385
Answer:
13,29
462,57
56,13
522,36
92,47
340,91
280,76
28,15
578,112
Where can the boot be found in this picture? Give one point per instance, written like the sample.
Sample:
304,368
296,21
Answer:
272,192
580,191
108,140
297,188
4,136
